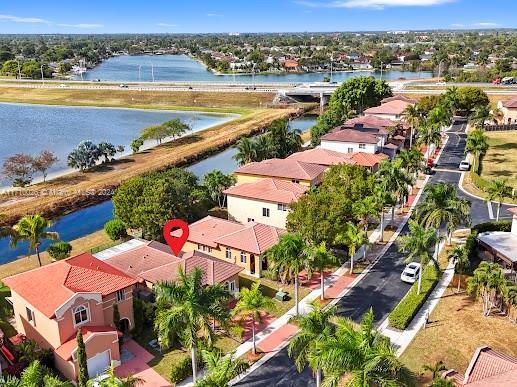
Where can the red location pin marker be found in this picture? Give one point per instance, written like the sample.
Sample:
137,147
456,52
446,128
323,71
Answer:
176,242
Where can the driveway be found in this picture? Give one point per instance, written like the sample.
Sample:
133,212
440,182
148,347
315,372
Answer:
134,362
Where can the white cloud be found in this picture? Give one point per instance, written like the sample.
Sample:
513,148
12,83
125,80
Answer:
214,15
373,4
166,25
457,25
18,19
486,24
82,25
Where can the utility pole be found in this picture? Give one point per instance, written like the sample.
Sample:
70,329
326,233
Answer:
42,80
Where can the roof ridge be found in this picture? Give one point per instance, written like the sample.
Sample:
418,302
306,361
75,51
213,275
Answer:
255,236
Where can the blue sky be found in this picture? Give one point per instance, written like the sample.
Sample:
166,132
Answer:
159,16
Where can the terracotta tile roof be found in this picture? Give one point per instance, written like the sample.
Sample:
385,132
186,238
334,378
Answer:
488,368
143,258
214,270
285,168
399,98
254,238
370,122
511,103
351,135
48,287
395,107
513,210
368,159
270,190
322,156
206,230
390,145
66,349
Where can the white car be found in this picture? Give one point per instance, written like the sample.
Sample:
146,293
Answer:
63,85
464,165
410,273
441,83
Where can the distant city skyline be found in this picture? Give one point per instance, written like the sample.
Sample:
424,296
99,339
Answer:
202,16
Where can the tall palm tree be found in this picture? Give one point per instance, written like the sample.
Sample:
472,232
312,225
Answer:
487,279
441,206
32,228
383,199
429,134
394,179
113,380
418,243
220,369
287,260
461,262
319,258
411,160
246,151
498,190
252,303
185,309
363,354
314,326
354,237
413,117
477,144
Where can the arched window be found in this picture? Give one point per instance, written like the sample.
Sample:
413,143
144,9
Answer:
80,315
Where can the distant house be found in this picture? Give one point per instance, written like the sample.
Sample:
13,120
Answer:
265,201
281,169
291,65
391,110
153,262
328,158
487,368
350,141
500,246
233,242
53,302
509,110
399,98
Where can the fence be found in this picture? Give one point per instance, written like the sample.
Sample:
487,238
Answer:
500,128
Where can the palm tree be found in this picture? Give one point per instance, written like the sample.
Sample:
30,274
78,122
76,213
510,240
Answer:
252,303
509,295
435,369
319,258
413,117
219,369
497,190
481,114
287,260
314,326
363,354
246,151
477,144
113,381
442,206
383,199
354,237
418,242
392,178
487,279
32,228
34,375
185,309
411,160
429,134
461,262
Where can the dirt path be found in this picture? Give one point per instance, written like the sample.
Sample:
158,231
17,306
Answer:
77,190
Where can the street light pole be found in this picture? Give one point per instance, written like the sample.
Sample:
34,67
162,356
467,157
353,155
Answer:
42,80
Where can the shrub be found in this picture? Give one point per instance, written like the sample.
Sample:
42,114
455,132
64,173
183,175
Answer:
183,369
59,250
404,312
116,229
502,225
144,315
479,182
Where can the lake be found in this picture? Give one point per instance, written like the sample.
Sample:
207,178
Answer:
183,68
32,128
87,220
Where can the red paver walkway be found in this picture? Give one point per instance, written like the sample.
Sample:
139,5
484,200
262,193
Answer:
246,324
276,338
339,285
139,368
312,283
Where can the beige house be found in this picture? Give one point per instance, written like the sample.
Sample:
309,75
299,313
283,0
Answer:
265,201
509,110
236,243
393,109
53,302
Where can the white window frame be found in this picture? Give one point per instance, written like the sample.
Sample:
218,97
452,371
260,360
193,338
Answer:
244,257
362,146
231,286
29,314
282,207
350,150
265,212
228,253
75,310
122,293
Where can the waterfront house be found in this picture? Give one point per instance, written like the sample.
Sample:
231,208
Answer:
509,110
153,262
264,201
487,368
230,241
391,110
53,302
350,141
281,169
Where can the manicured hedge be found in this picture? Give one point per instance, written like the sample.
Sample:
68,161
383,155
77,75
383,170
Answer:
502,225
404,312
478,181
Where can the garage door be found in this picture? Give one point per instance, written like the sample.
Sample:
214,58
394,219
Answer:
98,364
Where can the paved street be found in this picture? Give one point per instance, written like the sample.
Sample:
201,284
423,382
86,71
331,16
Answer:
381,289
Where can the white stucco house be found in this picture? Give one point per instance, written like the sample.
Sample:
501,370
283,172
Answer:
351,141
391,110
509,110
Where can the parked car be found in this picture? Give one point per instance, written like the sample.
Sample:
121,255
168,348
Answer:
123,86
410,273
428,170
464,165
63,85
441,83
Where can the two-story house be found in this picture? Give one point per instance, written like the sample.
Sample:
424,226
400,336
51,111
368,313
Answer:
53,302
351,141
